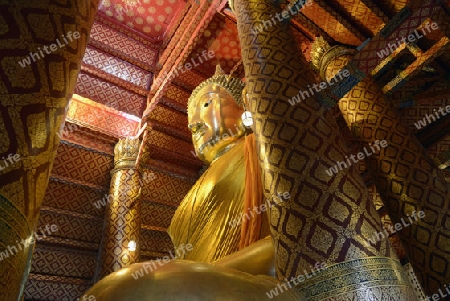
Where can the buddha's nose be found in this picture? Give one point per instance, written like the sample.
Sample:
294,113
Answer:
196,126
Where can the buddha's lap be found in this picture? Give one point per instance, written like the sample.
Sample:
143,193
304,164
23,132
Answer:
182,280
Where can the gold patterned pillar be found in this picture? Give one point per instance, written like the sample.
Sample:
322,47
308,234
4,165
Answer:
122,223
405,176
41,47
328,219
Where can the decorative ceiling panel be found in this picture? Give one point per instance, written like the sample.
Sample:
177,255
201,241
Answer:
403,96
154,214
310,28
83,165
190,79
73,197
58,262
82,134
169,143
71,227
330,24
178,94
155,241
417,113
392,6
55,288
178,106
362,14
368,59
114,42
165,188
221,36
180,48
115,25
174,170
101,118
71,244
109,94
154,18
117,67
188,163
170,117
441,88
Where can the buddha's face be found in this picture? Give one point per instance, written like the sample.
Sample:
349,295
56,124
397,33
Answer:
215,122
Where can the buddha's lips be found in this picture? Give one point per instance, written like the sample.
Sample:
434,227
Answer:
199,134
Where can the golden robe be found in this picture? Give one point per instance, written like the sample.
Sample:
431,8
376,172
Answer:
206,217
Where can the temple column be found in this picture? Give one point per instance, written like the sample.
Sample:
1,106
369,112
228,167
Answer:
41,45
329,219
406,177
122,221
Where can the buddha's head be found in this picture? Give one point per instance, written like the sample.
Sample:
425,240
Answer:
214,115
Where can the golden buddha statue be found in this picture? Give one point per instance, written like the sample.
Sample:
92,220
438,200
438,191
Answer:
318,236
204,219
217,198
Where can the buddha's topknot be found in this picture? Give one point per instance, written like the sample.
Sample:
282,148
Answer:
233,85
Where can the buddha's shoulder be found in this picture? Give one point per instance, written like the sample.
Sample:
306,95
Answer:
228,164
226,171
222,181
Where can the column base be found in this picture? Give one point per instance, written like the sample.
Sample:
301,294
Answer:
372,278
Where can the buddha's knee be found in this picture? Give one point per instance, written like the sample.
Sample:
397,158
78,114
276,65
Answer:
183,280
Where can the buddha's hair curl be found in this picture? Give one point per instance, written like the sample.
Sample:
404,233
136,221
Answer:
233,85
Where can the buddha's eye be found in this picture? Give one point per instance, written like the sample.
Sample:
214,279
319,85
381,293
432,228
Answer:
207,103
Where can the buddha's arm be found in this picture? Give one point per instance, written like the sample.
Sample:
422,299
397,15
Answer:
256,259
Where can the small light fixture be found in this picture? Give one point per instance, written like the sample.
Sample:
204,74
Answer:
247,119
132,246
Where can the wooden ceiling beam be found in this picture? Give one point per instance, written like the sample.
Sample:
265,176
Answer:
182,49
305,24
111,78
181,45
338,15
69,244
377,10
154,228
172,170
413,69
186,23
176,25
70,181
405,22
60,279
73,214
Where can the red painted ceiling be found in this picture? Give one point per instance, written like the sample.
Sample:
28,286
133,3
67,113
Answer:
153,18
